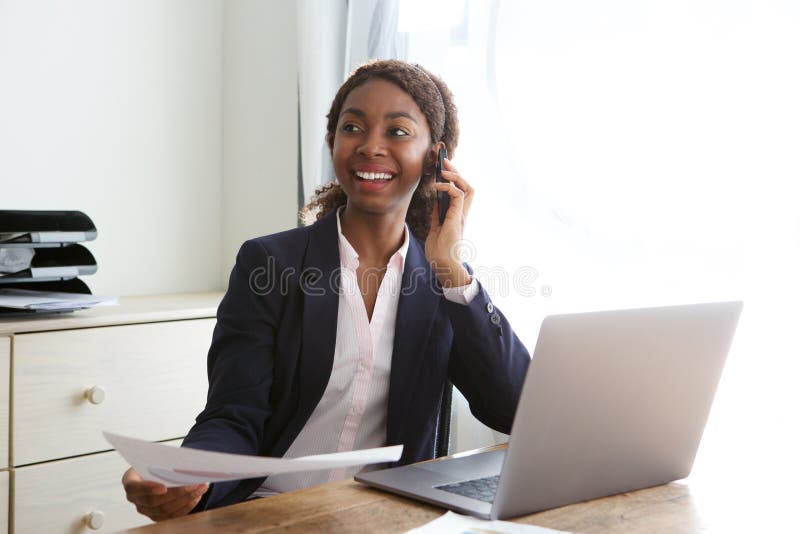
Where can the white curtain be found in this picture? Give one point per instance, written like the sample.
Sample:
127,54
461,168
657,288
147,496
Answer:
337,36
372,32
625,154
423,32
334,38
322,29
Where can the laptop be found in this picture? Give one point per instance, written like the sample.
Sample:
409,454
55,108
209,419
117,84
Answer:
613,401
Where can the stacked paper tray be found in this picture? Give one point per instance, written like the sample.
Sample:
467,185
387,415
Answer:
39,251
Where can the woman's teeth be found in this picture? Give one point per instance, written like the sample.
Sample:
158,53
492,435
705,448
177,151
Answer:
374,175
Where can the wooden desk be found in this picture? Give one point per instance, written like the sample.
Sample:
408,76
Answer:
348,506
701,504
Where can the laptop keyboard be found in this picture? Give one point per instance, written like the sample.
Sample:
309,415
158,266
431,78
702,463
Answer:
482,489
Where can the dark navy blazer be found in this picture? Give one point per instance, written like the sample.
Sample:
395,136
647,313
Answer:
272,353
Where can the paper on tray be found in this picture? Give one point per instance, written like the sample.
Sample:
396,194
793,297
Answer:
26,299
180,466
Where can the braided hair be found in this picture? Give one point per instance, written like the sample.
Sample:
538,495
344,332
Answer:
434,100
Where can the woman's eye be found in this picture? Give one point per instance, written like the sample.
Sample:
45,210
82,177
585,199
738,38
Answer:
351,128
398,132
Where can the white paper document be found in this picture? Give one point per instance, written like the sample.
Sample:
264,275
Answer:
452,523
25,299
181,466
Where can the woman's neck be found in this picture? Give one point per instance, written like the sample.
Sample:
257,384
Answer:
375,237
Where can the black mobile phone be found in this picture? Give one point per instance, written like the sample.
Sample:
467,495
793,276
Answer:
442,198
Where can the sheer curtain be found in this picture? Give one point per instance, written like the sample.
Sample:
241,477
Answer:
334,38
657,143
321,40
627,154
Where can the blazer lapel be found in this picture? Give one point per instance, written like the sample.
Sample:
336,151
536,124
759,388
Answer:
419,302
319,282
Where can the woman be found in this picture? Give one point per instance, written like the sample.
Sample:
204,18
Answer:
341,335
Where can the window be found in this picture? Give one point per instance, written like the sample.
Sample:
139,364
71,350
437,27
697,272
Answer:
631,154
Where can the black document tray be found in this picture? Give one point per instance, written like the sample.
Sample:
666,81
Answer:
42,229
74,285
51,264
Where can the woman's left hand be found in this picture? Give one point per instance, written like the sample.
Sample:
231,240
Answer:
444,239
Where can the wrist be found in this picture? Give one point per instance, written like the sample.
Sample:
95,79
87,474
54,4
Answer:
451,274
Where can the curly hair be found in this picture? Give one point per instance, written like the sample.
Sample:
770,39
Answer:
434,100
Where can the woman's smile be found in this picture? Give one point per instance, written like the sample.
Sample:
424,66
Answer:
372,178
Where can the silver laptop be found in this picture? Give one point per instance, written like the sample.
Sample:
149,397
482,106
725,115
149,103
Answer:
613,401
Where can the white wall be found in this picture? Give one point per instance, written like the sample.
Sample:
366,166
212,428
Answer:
259,194
116,108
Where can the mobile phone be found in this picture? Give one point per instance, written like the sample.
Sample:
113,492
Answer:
442,198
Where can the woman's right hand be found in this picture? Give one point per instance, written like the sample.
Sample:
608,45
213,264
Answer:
158,502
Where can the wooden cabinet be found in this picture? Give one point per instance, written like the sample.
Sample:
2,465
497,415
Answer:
5,384
4,500
81,494
144,380
137,369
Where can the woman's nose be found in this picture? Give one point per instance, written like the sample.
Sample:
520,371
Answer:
372,145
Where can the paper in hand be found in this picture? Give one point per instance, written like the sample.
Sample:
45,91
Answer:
181,466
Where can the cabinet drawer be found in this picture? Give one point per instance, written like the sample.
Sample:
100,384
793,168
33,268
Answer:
4,493
5,370
57,497
149,381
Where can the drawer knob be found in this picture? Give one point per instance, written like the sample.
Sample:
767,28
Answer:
96,395
94,520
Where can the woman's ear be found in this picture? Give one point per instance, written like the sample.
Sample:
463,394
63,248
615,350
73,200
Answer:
329,140
435,148
433,155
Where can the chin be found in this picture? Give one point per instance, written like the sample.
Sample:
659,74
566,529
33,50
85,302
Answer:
374,208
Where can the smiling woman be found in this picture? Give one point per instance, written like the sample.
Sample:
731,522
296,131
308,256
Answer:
360,319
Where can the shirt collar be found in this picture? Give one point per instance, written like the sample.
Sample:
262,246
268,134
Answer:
349,256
